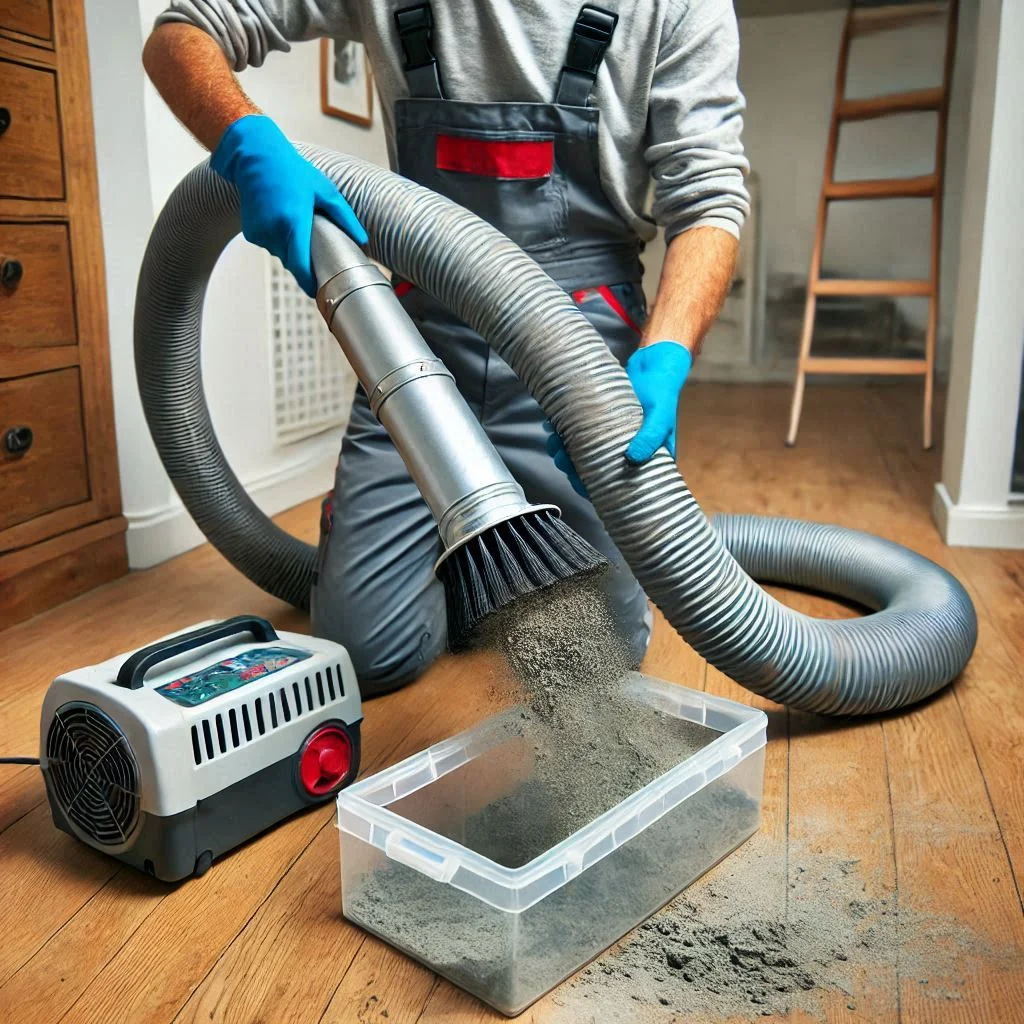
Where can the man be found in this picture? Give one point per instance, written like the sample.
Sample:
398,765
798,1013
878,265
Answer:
548,120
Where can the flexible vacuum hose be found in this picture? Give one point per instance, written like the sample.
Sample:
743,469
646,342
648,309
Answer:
918,639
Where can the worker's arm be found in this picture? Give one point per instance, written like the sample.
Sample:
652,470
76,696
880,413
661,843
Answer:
192,74
697,163
279,191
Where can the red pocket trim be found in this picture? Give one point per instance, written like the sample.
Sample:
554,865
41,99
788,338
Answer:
496,158
609,296
403,288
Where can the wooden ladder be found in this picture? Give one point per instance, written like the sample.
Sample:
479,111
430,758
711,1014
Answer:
861,20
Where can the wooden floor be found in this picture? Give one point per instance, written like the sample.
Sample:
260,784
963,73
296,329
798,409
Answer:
933,799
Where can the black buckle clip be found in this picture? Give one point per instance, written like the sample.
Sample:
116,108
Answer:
415,29
590,38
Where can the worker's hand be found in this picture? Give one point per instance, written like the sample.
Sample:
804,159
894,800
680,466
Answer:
657,373
279,193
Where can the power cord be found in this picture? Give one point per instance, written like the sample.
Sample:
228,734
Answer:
19,760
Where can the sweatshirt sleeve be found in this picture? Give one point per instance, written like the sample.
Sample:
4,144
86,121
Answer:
247,30
695,118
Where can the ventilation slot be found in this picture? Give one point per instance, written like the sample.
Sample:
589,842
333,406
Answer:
320,688
341,685
233,723
208,738
298,699
246,727
309,694
221,741
196,751
284,705
260,727
273,711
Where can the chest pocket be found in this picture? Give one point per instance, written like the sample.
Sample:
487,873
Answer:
510,180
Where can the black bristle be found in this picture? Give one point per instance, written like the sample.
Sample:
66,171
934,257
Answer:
510,560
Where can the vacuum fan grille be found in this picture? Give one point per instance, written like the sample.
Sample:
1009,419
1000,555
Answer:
93,772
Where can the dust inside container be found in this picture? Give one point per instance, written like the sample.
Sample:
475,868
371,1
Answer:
456,855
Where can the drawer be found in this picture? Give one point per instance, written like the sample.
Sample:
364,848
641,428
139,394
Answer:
29,16
30,154
51,473
37,305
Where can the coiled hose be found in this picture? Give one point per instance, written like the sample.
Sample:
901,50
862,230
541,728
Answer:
919,638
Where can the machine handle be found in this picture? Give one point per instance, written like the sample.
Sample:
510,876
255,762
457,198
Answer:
133,672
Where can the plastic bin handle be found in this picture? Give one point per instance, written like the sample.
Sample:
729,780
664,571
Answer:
132,673
401,848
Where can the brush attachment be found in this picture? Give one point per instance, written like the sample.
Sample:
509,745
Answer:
516,557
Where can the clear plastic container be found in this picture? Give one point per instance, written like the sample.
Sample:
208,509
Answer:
508,934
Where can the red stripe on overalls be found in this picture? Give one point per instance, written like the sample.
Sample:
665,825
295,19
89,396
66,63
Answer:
496,158
609,296
403,288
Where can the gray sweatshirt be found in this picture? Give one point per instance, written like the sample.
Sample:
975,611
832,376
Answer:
671,109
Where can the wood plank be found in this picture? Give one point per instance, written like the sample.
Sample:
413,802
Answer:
31,17
51,472
952,866
923,186
62,577
16,563
39,860
22,362
26,49
884,367
381,987
21,788
864,20
894,103
867,287
49,525
31,167
38,310
87,255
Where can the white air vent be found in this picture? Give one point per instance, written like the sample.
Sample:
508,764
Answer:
312,381
276,706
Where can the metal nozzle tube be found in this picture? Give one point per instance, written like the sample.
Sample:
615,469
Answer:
449,456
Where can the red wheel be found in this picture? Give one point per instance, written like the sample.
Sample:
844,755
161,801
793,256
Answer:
325,760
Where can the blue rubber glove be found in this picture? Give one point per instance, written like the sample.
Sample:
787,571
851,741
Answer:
279,193
561,459
657,373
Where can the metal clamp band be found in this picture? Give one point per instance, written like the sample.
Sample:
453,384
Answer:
402,375
334,291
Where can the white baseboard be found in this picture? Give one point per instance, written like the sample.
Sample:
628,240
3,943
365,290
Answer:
973,526
157,534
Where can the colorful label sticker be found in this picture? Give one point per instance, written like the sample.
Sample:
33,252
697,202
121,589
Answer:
192,690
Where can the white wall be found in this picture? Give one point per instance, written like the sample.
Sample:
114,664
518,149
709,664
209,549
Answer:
787,72
971,504
142,152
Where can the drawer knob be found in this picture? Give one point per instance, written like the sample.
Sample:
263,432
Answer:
10,273
5,119
18,440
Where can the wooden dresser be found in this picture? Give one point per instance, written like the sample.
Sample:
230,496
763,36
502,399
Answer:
61,530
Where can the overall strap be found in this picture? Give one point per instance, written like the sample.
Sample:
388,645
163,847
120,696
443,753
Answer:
415,33
590,38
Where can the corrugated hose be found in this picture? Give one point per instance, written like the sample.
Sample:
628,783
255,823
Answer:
923,627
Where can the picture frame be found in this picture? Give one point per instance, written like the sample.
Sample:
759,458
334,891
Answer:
346,84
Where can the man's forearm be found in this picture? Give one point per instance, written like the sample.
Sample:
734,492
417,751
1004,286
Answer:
694,282
193,76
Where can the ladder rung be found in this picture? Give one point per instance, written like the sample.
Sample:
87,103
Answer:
895,103
888,367
856,286
883,188
878,19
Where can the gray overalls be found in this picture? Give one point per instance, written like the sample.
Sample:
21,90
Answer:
531,170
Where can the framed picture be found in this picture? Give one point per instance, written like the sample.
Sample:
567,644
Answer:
346,88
